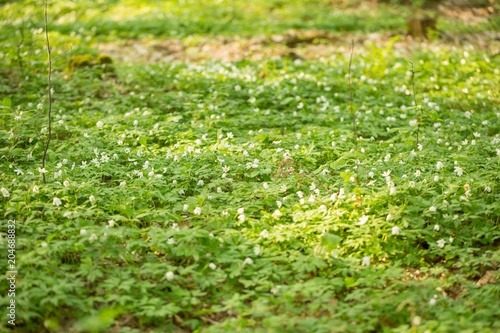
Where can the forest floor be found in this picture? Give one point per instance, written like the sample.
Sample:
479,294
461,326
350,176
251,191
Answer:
249,166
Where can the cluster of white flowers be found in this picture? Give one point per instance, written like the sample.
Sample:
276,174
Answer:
341,195
300,194
275,290
396,230
363,219
170,276
248,261
441,243
389,182
277,214
225,170
5,192
365,261
93,238
264,234
241,214
254,164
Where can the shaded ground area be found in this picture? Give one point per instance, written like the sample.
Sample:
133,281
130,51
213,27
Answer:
236,30
319,43
295,44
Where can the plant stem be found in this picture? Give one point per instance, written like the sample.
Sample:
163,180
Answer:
354,128
49,88
414,97
19,45
353,114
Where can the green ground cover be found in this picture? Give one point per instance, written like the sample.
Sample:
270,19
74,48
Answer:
221,196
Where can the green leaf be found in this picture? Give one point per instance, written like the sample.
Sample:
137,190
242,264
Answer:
346,176
286,101
7,102
330,240
100,321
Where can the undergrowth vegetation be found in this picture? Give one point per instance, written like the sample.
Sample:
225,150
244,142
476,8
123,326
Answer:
231,196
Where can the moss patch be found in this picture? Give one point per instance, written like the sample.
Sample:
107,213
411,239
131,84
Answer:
101,64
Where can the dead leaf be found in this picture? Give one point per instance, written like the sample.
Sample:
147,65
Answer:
487,278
